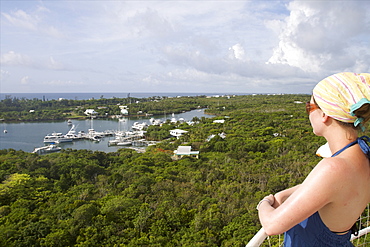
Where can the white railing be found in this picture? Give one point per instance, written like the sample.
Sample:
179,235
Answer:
257,239
261,238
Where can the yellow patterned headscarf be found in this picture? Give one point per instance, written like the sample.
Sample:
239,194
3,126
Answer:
339,95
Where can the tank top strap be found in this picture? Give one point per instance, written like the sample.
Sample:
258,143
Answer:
344,148
363,142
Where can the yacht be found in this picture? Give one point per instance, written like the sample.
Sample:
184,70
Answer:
93,135
47,149
155,121
139,126
173,119
120,141
56,138
72,134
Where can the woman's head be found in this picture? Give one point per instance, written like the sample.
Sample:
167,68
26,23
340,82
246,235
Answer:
345,97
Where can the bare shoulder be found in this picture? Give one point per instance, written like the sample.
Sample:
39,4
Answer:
334,167
329,176
339,173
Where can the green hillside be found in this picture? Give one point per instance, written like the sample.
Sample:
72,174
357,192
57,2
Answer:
84,198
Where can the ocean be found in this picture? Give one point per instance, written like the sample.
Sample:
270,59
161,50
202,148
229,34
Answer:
86,96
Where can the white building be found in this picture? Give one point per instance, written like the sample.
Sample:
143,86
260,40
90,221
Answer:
90,112
177,132
124,109
219,121
185,151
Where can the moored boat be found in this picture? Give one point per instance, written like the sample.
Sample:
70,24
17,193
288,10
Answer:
139,126
47,149
56,138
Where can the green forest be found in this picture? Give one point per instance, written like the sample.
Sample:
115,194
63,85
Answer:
15,109
124,198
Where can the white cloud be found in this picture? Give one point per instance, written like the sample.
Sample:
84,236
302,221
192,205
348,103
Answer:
237,51
185,45
317,34
63,83
4,74
21,19
52,64
34,22
12,58
25,80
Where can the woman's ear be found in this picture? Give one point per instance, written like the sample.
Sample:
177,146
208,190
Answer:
325,117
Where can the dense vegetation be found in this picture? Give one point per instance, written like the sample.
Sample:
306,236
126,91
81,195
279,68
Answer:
15,109
84,198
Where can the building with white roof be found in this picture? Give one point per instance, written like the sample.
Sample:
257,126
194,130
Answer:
184,151
177,132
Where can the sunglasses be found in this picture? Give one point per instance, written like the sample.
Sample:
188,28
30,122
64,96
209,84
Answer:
310,107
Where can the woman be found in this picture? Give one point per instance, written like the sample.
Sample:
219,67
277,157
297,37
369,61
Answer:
323,209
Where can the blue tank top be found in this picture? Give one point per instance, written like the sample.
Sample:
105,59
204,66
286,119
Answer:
312,231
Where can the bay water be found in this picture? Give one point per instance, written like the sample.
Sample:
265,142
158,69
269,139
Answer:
27,136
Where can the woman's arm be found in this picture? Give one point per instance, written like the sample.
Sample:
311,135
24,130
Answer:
281,196
291,206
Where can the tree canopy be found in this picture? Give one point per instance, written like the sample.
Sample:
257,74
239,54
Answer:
124,198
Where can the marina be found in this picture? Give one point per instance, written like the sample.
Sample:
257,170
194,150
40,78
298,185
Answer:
92,134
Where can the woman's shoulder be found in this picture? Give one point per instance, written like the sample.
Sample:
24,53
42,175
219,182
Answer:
331,174
332,166
350,170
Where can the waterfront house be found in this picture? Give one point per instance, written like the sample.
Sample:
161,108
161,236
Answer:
184,151
90,112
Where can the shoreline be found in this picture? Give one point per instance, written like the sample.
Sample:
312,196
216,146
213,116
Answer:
113,117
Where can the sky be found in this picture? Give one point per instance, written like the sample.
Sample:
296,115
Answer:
184,46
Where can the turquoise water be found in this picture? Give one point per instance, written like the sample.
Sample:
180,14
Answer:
27,136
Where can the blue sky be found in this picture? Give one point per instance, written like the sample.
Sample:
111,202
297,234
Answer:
180,46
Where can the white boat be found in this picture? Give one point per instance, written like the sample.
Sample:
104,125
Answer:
173,119
47,149
56,138
138,126
95,138
72,134
155,121
69,122
60,138
127,143
108,133
113,142
120,141
120,133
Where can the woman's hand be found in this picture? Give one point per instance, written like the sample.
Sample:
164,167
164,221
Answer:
270,199
279,199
